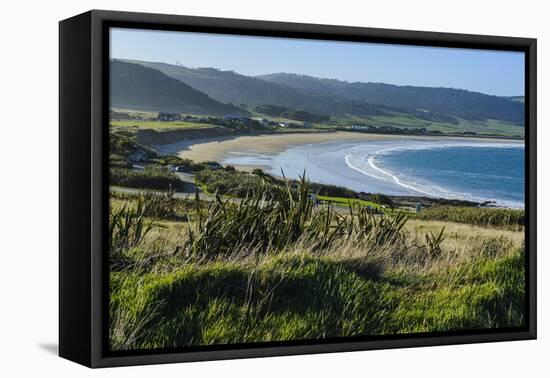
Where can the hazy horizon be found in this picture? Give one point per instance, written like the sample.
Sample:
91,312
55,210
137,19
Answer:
472,70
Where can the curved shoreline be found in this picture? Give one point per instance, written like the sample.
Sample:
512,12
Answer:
218,148
258,151
366,162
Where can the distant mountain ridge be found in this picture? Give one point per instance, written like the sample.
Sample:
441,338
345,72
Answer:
135,86
339,98
226,86
453,102
229,86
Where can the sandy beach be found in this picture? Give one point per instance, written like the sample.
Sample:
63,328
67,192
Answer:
216,149
333,158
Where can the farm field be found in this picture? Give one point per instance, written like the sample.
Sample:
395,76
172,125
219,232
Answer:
158,125
400,120
145,120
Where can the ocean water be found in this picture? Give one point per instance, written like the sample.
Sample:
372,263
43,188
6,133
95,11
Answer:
458,169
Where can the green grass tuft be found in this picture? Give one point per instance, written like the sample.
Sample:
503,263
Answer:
275,267
307,297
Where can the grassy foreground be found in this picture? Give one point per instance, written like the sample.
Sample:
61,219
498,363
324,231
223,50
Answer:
275,267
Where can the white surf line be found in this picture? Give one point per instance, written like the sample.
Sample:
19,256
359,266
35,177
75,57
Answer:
447,194
430,145
425,146
350,164
376,168
397,180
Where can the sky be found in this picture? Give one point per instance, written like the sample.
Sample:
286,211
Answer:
498,73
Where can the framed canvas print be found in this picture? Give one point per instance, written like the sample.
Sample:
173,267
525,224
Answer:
234,188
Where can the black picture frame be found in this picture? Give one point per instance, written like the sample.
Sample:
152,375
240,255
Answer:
83,181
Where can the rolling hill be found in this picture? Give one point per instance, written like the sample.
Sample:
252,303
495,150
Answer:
452,102
229,86
374,102
135,86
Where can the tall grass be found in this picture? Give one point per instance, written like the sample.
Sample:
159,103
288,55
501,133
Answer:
272,219
486,217
130,223
127,228
275,266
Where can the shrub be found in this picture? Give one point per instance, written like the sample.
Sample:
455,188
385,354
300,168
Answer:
119,161
333,190
177,161
239,184
124,144
152,177
257,172
236,184
379,199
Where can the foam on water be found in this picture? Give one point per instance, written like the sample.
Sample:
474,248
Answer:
375,167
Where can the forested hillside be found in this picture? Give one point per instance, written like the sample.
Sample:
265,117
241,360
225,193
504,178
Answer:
452,102
137,87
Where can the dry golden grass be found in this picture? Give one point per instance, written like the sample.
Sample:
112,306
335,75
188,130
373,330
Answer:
462,243
459,235
165,295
